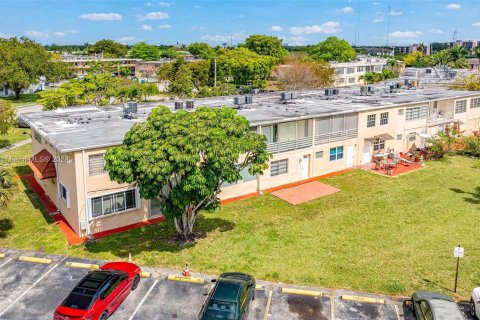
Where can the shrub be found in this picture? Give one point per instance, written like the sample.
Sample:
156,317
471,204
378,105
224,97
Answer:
7,185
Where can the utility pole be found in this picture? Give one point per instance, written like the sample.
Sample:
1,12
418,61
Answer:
388,24
215,72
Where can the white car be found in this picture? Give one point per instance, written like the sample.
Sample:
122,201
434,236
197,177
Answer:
475,303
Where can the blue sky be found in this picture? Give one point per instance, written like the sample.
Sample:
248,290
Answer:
216,22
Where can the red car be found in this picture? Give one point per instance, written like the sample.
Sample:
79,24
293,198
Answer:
100,292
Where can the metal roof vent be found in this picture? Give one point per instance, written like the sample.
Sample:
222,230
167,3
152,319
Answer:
178,105
190,104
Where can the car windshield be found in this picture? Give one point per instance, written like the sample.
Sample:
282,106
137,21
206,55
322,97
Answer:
221,310
78,301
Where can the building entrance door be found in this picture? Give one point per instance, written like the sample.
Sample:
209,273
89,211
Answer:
305,167
350,156
367,152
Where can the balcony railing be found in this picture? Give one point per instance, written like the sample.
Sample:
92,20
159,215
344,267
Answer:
336,136
278,147
440,117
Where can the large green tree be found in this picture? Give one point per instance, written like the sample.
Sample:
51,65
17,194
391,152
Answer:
181,84
145,51
109,48
183,158
244,67
266,45
202,50
7,116
333,49
23,62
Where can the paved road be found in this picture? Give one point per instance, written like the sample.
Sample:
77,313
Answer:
32,290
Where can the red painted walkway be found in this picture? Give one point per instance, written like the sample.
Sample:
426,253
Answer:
305,192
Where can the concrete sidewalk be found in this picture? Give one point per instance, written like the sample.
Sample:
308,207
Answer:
15,145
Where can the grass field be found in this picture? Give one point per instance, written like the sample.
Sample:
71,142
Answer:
379,234
26,99
15,135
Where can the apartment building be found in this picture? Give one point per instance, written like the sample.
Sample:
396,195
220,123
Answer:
349,73
309,134
81,65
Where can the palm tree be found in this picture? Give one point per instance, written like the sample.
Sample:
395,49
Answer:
457,52
369,77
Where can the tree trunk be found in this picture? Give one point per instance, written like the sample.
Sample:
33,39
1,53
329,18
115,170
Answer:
18,91
184,225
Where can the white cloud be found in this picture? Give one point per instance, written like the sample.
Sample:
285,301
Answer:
101,16
276,28
165,26
378,20
405,34
476,24
59,34
295,41
126,39
194,28
153,16
345,10
148,4
72,31
453,6
437,31
326,27
224,38
394,13
164,4
37,34
197,7
146,27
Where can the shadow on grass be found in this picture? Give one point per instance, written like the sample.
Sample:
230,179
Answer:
4,143
156,237
5,225
438,285
474,196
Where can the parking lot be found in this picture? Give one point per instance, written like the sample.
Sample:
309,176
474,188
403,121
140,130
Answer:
32,289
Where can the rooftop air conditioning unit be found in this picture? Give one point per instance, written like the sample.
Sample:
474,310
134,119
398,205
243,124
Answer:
286,95
190,104
132,107
248,99
363,90
370,89
294,95
178,105
239,100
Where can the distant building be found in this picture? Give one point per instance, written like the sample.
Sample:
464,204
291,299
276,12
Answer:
349,73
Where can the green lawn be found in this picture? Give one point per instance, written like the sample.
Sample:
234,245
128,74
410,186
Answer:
26,99
379,234
15,135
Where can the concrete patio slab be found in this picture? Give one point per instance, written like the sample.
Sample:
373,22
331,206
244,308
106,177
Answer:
305,192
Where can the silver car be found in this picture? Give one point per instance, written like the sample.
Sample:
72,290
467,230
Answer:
432,305
475,303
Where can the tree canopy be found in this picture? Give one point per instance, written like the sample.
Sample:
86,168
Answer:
144,51
109,48
202,50
7,116
266,46
23,62
333,49
183,158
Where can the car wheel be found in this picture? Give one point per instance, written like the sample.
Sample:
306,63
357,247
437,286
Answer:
104,316
136,281
472,309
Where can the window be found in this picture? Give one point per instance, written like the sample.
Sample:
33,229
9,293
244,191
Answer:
416,113
378,144
351,80
336,153
383,118
96,164
340,70
278,167
474,103
115,202
350,70
412,136
400,112
399,137
318,154
360,69
64,194
378,68
371,120
461,106
114,283
37,136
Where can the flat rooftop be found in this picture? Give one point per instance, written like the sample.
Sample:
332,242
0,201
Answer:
88,127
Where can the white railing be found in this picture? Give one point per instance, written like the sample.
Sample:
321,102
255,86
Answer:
336,136
440,117
278,147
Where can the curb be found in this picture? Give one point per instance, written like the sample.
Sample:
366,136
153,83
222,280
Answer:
35,259
2,255
145,274
302,292
259,287
82,265
186,279
362,299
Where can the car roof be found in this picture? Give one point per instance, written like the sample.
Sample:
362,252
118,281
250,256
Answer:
227,291
445,310
428,295
235,276
95,280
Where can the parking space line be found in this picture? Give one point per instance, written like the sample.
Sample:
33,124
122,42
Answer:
397,311
6,261
269,302
302,292
362,299
29,288
35,259
186,279
143,300
332,306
